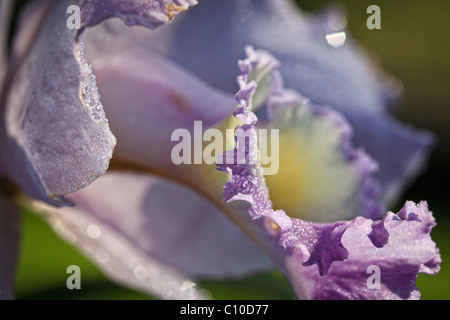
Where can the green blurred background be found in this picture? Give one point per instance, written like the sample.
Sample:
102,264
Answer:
413,45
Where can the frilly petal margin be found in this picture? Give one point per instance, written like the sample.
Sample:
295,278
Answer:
327,260
316,157
408,251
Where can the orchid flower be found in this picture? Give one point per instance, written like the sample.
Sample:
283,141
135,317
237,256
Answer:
89,145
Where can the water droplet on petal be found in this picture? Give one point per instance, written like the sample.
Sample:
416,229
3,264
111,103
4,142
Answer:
94,231
89,90
337,21
102,256
336,39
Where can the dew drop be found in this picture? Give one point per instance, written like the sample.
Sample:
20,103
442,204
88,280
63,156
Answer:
89,90
94,231
102,256
140,273
336,39
337,21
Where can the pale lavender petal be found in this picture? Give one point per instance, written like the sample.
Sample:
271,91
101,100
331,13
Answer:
143,225
9,246
320,243
147,98
316,157
326,261
57,135
343,78
29,21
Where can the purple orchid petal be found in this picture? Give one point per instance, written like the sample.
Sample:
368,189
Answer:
150,13
409,251
56,136
157,236
343,78
55,128
9,245
327,260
